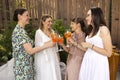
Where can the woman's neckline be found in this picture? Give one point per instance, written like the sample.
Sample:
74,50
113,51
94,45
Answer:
44,33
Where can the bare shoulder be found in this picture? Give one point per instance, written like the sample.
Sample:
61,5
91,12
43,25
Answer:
104,28
104,31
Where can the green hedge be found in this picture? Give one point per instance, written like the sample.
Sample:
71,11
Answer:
5,42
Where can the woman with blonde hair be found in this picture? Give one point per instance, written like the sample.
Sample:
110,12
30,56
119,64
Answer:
46,61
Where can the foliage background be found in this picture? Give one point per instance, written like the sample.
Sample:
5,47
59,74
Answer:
6,43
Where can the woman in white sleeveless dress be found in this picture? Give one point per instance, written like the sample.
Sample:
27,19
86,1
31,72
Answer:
98,44
46,61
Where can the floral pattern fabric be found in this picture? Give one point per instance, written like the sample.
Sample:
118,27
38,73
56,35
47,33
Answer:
23,63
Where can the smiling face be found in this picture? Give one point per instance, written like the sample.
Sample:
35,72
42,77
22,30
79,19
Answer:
24,18
89,17
74,26
48,23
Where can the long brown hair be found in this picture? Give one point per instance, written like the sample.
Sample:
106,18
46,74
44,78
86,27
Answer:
98,20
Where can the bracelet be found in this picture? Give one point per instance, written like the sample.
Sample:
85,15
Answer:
92,46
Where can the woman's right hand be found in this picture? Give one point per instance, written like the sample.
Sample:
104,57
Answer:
86,45
50,44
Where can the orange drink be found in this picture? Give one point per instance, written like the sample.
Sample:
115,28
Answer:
67,34
54,37
60,40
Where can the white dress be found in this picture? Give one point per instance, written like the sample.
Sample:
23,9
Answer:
46,61
95,65
6,71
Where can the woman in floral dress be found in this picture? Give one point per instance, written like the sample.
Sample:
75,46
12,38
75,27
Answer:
22,47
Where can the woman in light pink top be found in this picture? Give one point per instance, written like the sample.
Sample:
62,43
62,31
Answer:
76,52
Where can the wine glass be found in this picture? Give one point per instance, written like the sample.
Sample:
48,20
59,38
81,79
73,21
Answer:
60,41
54,38
67,35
